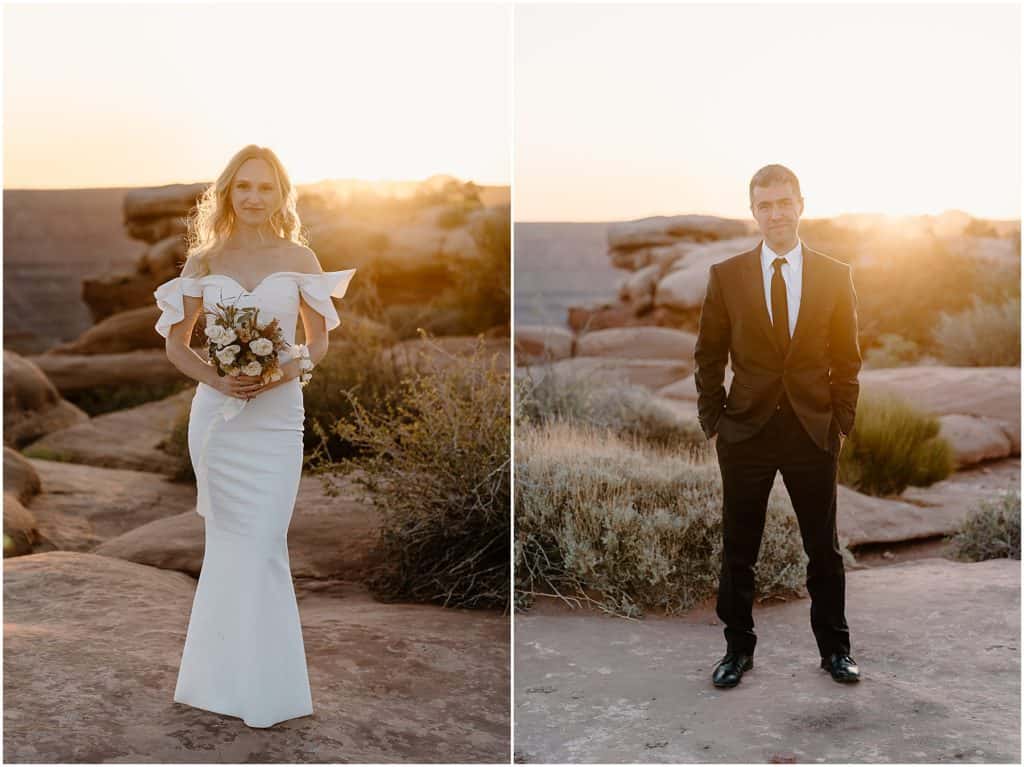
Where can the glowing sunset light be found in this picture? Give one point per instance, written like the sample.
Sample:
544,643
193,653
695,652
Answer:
123,95
630,111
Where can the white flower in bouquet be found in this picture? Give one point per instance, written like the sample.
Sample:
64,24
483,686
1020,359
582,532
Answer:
228,335
214,331
227,354
261,347
253,369
277,375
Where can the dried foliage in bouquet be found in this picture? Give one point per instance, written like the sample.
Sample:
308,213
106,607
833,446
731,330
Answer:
240,345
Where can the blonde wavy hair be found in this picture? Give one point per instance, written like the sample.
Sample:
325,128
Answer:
213,221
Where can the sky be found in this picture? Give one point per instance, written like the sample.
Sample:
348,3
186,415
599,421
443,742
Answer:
630,111
121,95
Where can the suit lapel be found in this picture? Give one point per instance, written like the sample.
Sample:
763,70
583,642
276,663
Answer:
810,292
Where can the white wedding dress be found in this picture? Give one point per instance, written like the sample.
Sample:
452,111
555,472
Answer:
244,655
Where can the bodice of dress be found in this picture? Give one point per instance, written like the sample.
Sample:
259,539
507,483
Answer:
276,296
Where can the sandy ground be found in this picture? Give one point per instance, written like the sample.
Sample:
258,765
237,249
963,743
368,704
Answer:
937,643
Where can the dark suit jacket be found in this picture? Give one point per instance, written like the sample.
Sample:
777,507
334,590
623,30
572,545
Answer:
819,372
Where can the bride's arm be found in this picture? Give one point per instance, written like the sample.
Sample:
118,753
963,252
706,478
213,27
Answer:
316,331
178,350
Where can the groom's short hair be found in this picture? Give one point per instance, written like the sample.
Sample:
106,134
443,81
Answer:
774,174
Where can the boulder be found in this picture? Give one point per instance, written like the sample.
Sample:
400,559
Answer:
638,342
125,439
329,537
119,333
32,405
21,531
921,512
974,439
164,259
154,230
78,372
102,637
20,478
82,506
989,392
641,284
686,388
686,283
168,201
651,374
539,343
112,293
666,230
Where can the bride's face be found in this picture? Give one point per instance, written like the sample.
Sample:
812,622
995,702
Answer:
254,192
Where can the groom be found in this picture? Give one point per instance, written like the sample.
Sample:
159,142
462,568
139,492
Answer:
787,316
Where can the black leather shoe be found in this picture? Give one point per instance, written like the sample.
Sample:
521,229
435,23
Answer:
842,667
729,669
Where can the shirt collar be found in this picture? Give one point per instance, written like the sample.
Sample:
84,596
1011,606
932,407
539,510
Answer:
793,258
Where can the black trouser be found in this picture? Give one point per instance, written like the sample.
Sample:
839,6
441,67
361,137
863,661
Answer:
809,473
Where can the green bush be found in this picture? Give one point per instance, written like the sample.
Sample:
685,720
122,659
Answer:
893,445
626,527
482,284
437,466
628,411
984,335
357,369
893,350
991,531
111,397
177,444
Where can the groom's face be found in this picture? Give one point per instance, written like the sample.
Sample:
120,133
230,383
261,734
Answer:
777,209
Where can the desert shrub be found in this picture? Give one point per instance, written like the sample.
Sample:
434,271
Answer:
356,369
626,527
893,445
48,454
435,461
984,335
893,350
482,284
440,317
176,444
628,411
991,531
942,280
452,218
98,400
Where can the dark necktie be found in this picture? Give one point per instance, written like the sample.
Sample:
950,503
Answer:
780,308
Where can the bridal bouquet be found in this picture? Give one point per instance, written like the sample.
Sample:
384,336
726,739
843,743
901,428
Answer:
239,345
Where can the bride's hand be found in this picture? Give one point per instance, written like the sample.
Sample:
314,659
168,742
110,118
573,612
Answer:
290,370
240,386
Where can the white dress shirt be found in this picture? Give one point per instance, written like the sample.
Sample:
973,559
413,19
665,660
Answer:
792,273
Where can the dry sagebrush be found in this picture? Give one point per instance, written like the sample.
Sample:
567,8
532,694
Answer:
626,527
435,460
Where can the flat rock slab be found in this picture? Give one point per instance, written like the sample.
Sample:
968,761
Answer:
82,506
937,643
922,512
329,536
125,439
93,646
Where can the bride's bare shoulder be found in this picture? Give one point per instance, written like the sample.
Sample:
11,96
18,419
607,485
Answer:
304,259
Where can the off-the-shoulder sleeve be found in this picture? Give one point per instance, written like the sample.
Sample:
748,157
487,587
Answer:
318,289
170,297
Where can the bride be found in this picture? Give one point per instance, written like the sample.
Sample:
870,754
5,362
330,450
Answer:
244,654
